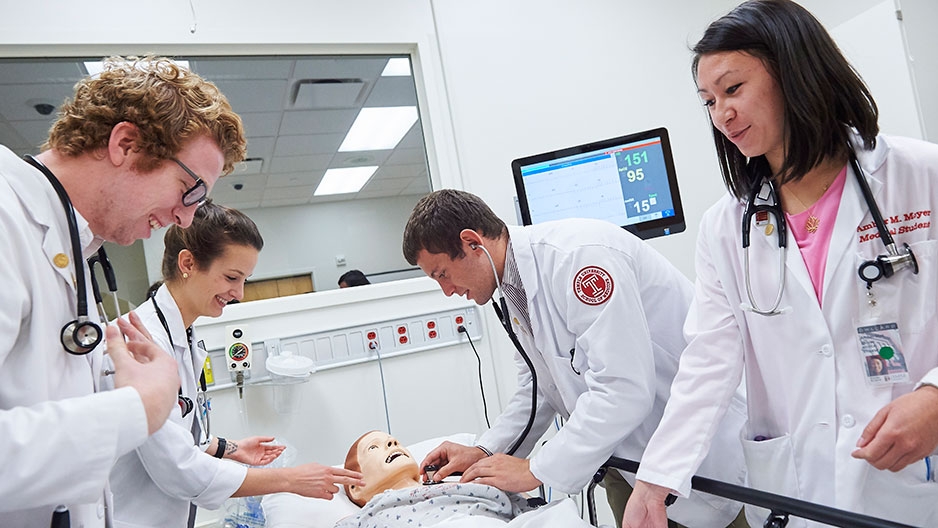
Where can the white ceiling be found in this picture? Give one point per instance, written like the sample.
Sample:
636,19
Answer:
296,112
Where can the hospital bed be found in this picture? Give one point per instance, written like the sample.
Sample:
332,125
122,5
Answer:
286,510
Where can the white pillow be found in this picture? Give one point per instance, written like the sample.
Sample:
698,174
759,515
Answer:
287,510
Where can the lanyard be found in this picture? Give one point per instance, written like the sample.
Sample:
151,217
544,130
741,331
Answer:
203,405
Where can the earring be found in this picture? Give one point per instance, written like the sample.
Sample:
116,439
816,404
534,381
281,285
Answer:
185,275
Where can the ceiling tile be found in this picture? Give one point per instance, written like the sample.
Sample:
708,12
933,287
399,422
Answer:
305,145
360,158
408,156
254,96
401,171
339,68
395,184
261,124
34,132
261,147
393,91
282,193
295,179
10,139
242,68
300,163
418,186
317,122
40,71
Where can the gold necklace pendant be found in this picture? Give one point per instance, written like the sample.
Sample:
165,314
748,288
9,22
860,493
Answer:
811,224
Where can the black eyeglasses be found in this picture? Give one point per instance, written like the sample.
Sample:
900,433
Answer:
196,194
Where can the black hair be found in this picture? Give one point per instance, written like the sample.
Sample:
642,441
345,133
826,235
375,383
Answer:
354,278
822,93
439,218
213,229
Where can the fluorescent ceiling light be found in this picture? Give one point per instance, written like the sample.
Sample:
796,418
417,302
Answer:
94,68
397,67
379,128
344,180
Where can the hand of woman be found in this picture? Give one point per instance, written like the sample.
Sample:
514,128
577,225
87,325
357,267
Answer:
646,508
254,450
321,482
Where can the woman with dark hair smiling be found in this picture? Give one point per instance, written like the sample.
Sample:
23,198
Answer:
204,269
798,143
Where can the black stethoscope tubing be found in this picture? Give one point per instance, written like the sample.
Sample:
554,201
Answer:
869,271
185,402
74,338
502,314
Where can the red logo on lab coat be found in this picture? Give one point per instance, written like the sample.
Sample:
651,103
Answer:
592,285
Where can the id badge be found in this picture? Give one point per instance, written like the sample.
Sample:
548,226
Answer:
881,350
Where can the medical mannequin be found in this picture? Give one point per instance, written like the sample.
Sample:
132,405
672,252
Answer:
394,496
786,107
599,313
383,464
112,150
204,268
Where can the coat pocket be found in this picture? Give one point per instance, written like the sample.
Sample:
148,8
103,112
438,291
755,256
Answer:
904,496
771,468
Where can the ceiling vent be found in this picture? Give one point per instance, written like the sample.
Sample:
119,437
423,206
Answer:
311,94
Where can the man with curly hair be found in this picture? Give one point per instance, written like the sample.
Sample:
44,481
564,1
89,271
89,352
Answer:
137,148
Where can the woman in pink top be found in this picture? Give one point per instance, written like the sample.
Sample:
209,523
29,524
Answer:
787,108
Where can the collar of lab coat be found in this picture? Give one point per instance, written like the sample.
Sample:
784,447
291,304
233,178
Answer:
520,246
43,207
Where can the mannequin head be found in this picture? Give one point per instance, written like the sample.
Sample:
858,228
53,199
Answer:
383,463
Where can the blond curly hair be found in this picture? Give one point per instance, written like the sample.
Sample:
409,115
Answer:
168,104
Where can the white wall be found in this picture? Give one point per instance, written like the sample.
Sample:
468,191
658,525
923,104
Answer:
304,239
872,42
918,23
530,76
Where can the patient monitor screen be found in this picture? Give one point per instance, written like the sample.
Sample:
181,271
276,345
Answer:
629,181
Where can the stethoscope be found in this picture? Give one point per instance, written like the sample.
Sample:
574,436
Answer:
185,403
501,310
81,335
870,271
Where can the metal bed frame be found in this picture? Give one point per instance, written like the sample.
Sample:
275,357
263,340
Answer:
781,507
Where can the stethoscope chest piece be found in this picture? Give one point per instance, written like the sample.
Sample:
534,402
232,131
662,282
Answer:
886,265
80,336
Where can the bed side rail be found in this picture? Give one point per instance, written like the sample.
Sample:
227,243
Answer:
780,506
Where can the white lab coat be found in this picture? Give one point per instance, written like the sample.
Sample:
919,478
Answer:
154,485
58,438
627,350
806,384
